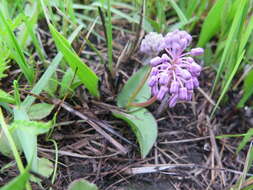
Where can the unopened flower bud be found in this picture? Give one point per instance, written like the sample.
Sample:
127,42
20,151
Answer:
163,90
195,82
197,51
152,81
165,58
154,71
189,84
184,73
155,61
174,87
195,68
182,93
164,79
173,100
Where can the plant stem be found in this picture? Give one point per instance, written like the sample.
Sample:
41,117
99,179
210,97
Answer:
144,104
138,89
109,35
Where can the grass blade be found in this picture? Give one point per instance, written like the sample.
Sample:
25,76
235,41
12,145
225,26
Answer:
231,36
19,55
179,12
212,23
228,83
85,74
40,85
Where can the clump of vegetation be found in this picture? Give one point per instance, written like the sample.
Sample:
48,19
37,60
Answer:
74,74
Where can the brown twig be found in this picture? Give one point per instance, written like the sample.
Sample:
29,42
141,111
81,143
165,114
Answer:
91,122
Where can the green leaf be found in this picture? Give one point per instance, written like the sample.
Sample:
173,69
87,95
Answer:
32,127
143,124
85,74
82,184
40,111
27,132
245,140
44,79
18,183
131,86
52,85
45,168
227,83
5,97
16,50
228,59
5,148
248,90
179,12
212,23
66,81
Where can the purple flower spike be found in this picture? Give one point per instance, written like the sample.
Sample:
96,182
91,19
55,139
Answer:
183,93
152,44
197,51
174,71
174,87
163,90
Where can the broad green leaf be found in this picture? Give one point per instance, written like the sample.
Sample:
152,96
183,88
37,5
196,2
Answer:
5,97
45,168
40,111
82,184
248,90
27,132
32,127
212,22
130,87
85,74
143,124
18,183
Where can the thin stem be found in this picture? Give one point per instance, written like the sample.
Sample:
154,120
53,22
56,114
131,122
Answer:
109,36
144,104
138,89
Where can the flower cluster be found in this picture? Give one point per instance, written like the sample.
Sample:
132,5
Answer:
174,71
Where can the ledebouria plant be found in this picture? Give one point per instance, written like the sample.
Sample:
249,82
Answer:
174,71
